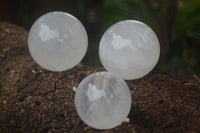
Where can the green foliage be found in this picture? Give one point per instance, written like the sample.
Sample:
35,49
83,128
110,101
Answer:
118,10
186,42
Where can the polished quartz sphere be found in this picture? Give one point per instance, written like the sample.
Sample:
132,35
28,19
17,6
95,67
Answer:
57,41
103,100
129,49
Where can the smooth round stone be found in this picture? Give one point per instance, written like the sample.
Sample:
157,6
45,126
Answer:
57,41
129,49
103,100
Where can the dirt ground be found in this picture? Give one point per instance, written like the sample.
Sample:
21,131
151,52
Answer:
36,100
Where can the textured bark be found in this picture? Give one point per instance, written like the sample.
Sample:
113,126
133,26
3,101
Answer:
36,100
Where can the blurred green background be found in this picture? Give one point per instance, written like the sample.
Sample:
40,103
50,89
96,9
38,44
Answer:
176,22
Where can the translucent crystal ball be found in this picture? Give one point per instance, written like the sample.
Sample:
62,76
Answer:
129,49
57,41
103,100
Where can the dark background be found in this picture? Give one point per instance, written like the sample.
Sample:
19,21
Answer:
176,22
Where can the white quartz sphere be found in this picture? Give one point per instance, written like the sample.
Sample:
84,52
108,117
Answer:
129,49
103,100
57,41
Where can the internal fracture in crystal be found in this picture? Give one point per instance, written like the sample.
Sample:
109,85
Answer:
129,49
103,100
57,41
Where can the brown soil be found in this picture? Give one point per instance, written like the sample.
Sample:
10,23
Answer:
36,100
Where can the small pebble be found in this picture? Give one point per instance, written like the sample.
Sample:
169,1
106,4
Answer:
127,120
33,71
74,89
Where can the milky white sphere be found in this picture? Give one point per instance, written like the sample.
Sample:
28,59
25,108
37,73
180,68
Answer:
129,49
57,41
103,100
